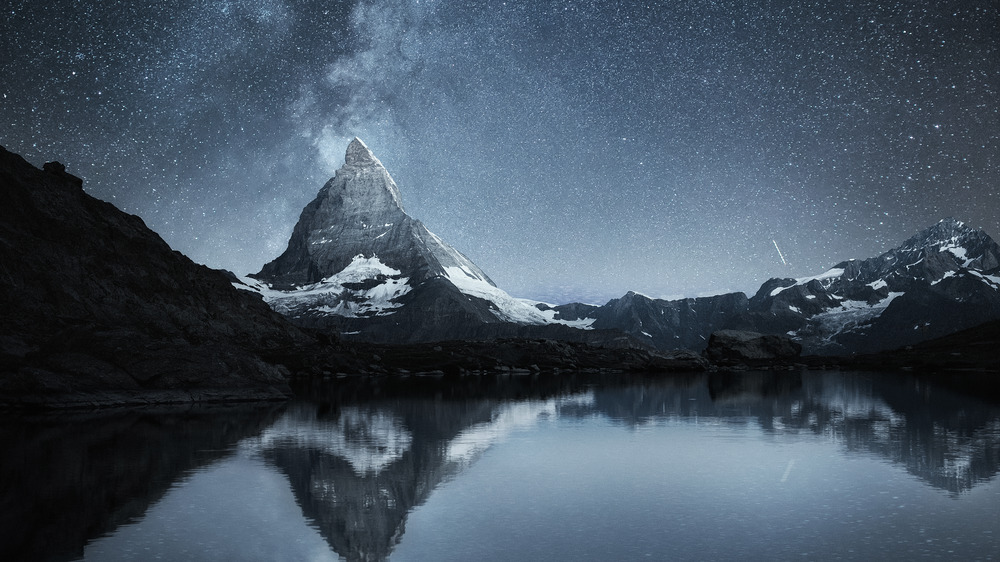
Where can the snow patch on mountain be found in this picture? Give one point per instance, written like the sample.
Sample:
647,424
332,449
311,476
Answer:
580,324
508,309
958,251
825,278
946,275
993,281
848,317
547,310
366,287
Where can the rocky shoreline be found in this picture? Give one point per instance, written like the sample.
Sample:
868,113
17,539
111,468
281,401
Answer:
962,362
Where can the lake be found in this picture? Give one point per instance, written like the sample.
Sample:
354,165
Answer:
751,466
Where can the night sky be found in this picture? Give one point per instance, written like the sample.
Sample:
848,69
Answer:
574,150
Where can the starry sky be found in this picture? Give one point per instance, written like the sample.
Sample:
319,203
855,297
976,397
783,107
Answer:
574,150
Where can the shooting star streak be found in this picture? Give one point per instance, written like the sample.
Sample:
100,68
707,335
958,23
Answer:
783,262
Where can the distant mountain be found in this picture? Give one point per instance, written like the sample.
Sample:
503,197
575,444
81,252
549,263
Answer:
96,308
663,324
358,264
944,279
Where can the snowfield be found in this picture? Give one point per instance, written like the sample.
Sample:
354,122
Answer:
331,296
507,308
550,317
339,295
829,275
848,316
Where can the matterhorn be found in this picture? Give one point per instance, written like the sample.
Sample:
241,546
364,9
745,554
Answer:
357,263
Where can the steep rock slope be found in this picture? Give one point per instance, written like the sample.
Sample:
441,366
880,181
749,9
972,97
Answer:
94,303
359,212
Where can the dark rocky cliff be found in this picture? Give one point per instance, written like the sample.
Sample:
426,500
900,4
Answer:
96,308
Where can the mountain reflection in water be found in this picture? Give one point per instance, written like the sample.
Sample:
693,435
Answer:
359,463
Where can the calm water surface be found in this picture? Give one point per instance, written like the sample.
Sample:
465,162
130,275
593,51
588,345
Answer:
755,466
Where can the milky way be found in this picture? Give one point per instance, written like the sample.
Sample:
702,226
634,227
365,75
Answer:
574,150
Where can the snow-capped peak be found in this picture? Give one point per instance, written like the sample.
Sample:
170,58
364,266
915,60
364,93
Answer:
946,231
967,247
355,253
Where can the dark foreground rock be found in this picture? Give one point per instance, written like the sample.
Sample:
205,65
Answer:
96,308
973,350
732,347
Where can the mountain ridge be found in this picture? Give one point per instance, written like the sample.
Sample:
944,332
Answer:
98,309
356,263
943,279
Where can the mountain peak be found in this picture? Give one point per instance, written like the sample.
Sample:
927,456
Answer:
945,231
358,154
949,226
359,212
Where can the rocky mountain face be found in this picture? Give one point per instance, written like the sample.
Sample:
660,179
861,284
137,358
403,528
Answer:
685,323
357,264
359,212
944,279
96,308
661,324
